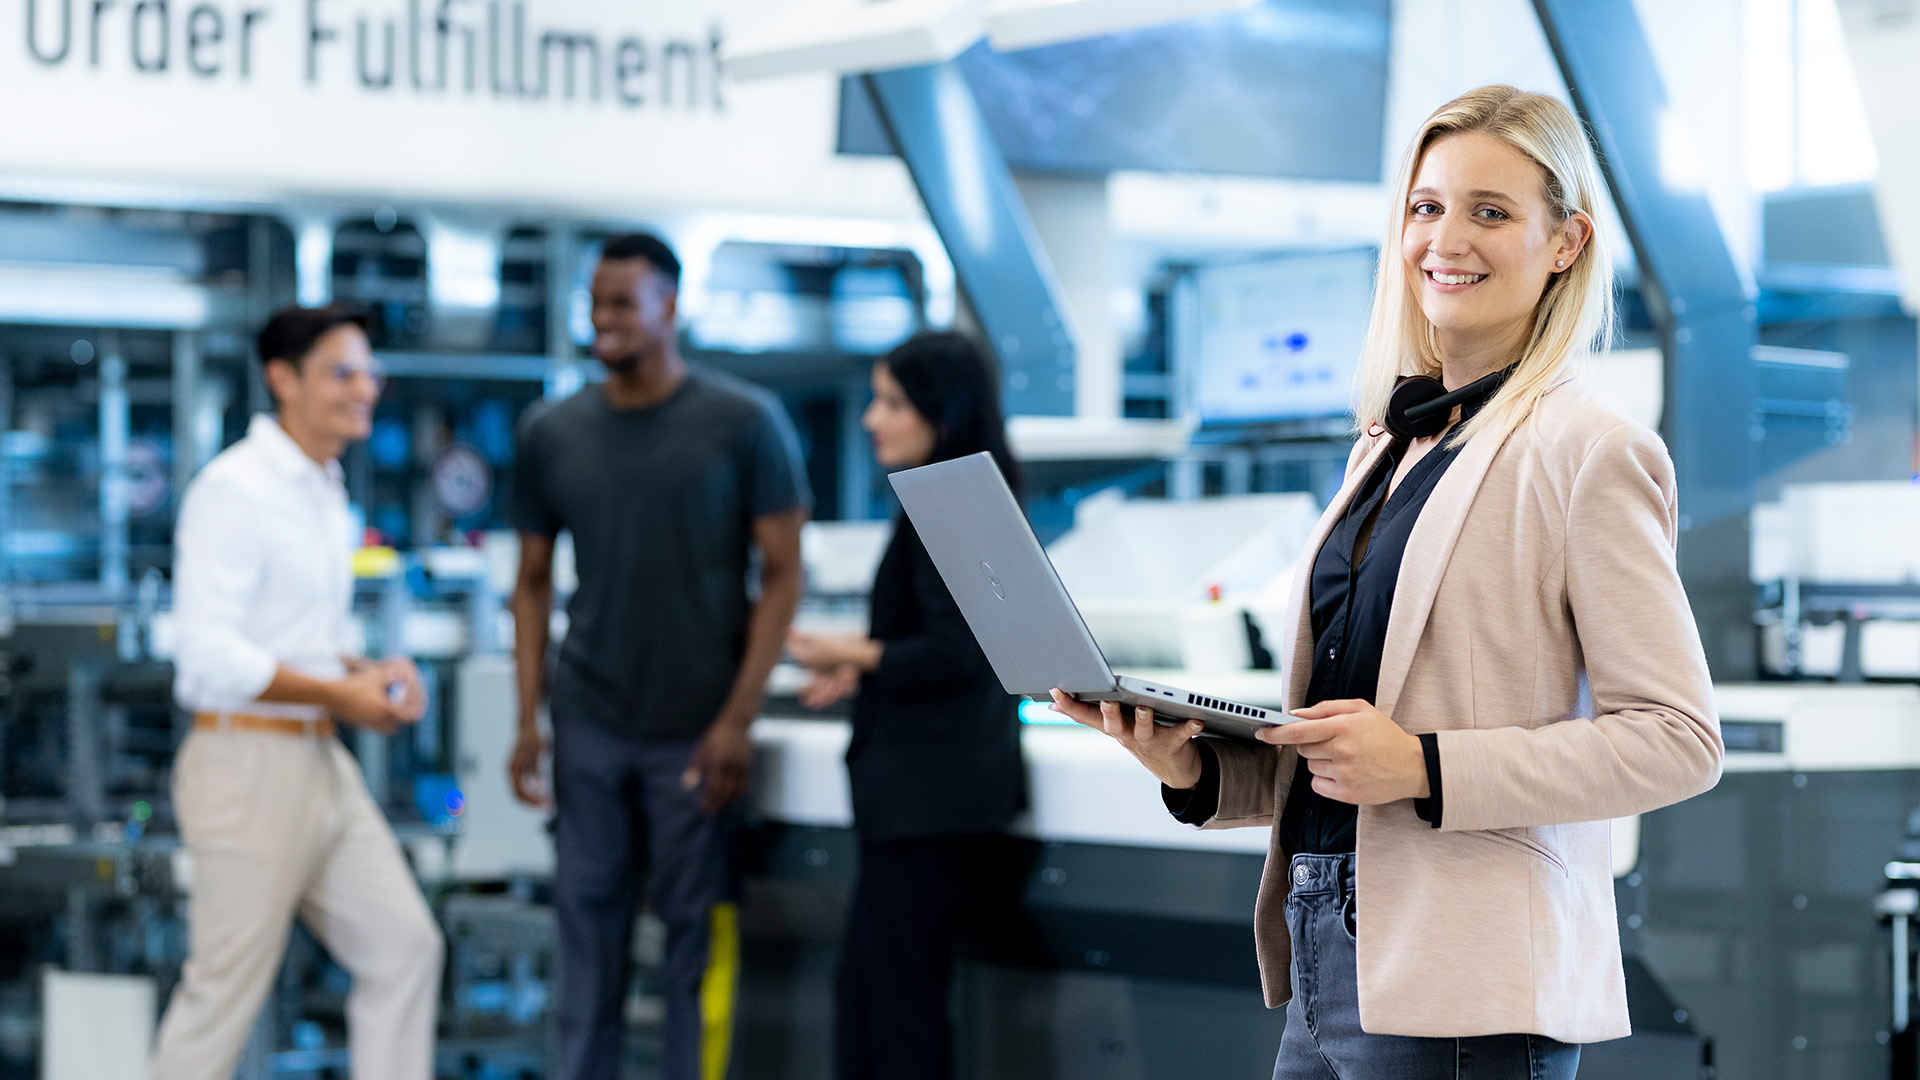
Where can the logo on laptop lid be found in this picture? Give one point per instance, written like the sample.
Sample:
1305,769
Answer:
999,590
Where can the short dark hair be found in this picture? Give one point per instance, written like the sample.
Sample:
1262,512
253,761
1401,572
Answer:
640,245
953,384
291,332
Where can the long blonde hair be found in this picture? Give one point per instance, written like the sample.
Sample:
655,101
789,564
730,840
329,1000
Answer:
1575,312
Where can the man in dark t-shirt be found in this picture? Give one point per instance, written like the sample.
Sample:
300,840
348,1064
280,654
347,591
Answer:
668,480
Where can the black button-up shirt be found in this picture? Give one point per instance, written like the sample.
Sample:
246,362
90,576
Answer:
1349,601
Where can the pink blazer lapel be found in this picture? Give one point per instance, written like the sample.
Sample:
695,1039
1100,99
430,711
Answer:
1296,653
1429,548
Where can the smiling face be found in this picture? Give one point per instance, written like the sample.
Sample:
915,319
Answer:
1481,242
633,312
902,438
330,393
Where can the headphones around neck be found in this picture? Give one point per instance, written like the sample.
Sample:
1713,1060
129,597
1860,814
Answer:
1421,404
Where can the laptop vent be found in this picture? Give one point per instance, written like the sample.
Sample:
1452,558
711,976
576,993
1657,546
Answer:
1226,706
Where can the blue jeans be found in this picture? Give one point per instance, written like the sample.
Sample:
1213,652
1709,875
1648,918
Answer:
1323,1040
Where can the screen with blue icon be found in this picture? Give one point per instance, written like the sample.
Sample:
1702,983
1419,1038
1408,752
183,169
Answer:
1277,338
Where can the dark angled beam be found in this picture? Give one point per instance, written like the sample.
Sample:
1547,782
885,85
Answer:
1698,295
969,193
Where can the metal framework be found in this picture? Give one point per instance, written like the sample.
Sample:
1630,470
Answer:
969,194
1707,318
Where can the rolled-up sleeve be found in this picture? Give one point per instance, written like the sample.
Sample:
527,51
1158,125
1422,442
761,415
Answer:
216,574
775,469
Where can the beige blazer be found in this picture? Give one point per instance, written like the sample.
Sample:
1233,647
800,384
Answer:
1539,627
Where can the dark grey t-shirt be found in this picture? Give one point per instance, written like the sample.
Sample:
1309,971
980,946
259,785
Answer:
661,503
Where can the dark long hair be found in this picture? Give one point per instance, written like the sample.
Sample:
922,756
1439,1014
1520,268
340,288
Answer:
955,386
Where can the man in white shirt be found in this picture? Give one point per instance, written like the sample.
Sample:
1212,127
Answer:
271,806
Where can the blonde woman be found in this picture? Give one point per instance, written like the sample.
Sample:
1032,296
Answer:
1491,654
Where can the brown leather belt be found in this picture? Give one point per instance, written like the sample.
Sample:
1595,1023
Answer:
275,725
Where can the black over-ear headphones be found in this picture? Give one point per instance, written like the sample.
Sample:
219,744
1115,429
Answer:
1421,404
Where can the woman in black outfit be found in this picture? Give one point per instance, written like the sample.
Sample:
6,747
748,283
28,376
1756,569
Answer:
935,757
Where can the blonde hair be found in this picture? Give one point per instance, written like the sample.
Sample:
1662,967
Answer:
1575,311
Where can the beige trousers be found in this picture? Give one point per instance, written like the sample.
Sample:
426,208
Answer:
279,826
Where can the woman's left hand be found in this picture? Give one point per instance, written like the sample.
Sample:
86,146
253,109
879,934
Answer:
1356,752
824,652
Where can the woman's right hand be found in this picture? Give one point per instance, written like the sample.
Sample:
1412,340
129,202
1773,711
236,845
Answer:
1167,752
830,687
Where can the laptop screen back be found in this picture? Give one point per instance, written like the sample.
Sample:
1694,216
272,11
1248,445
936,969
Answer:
1000,577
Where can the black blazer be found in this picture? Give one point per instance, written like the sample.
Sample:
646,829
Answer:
936,740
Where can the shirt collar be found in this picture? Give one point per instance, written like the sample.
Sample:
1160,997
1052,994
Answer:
285,455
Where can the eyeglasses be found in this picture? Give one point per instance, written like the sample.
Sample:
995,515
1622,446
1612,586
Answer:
346,373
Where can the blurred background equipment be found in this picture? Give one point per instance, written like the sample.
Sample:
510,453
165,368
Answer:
1164,219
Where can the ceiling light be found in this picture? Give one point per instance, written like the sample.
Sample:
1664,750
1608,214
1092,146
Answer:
856,35
1027,24
879,35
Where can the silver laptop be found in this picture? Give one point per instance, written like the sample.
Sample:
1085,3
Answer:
1022,616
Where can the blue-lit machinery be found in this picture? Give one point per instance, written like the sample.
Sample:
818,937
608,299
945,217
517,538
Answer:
127,366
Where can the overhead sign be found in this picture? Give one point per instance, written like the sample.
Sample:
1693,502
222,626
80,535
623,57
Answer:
596,102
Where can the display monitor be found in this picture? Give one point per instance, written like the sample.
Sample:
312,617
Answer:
1277,338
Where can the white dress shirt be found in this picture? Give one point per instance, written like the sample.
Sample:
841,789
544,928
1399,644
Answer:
262,574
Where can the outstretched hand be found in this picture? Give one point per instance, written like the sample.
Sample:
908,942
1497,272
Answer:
830,687
825,652
1357,754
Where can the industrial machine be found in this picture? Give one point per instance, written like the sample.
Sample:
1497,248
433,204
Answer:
116,386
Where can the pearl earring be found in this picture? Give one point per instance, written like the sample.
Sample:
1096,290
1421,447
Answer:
1560,262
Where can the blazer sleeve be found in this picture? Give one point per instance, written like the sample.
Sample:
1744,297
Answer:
1249,773
1654,736
940,655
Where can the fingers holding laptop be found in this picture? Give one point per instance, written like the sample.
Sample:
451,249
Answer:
1357,754
1167,752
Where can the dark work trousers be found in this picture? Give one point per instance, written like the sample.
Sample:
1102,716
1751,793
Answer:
897,956
1323,1039
621,818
